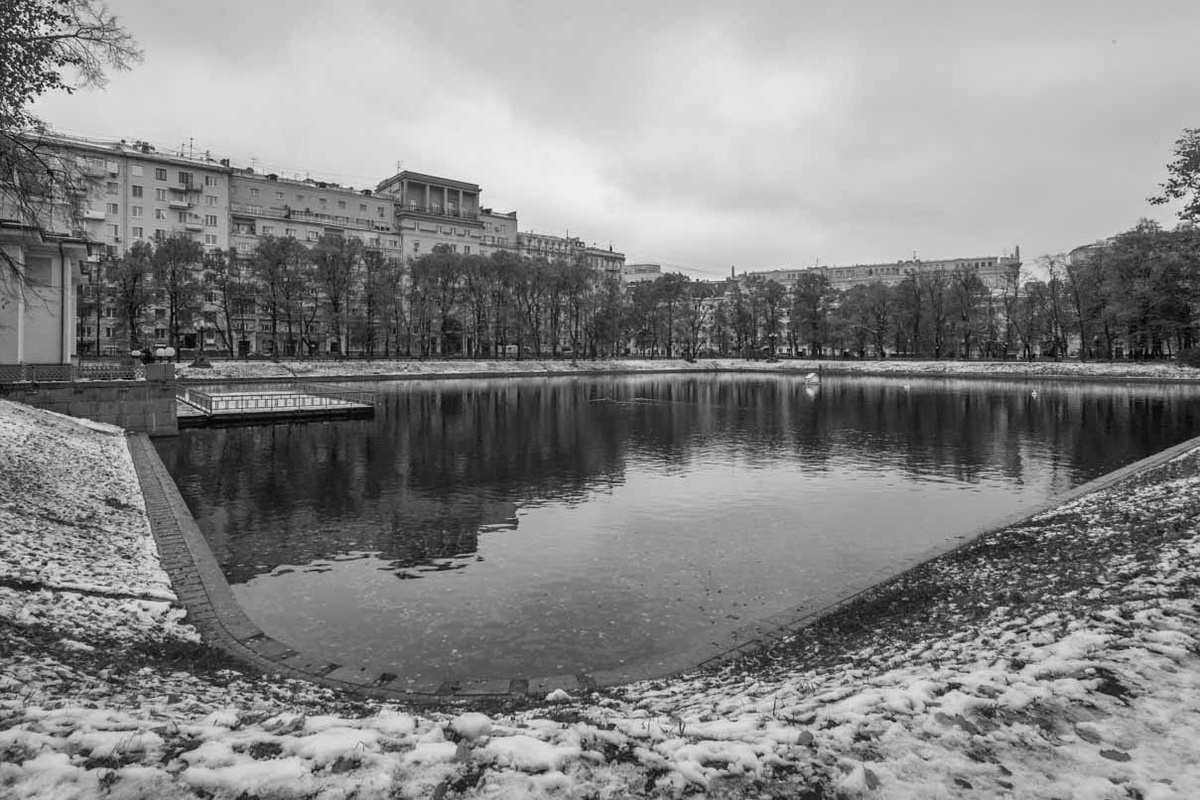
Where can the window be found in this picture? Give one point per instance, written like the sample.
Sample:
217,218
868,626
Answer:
466,248
138,233
112,187
210,180
210,199
254,209
289,232
323,200
341,203
160,313
185,178
416,246
313,236
268,230
135,211
136,170
279,195
210,297
114,231
210,238
137,190
253,192
109,312
160,194
160,174
381,212
362,206
160,333
108,333
160,213
210,220
113,208
391,242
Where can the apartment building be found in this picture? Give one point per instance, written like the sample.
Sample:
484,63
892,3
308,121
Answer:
608,263
431,211
571,248
137,193
996,272
641,273
134,192
499,232
267,205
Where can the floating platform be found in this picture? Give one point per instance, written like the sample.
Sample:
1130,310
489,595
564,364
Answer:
202,407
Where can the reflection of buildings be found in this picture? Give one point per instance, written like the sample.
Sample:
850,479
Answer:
446,465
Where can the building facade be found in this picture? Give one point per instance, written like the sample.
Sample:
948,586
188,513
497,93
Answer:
573,249
499,232
431,211
996,272
641,273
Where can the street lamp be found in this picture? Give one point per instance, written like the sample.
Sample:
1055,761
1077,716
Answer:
201,325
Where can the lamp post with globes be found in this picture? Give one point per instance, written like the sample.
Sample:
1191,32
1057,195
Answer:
201,326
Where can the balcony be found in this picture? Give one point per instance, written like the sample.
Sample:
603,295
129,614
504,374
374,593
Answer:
180,204
184,188
436,210
93,214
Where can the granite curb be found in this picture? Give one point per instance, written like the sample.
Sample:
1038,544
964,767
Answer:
212,607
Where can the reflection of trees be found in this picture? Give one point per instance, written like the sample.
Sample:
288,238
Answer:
444,460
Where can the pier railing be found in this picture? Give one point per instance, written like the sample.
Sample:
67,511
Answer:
274,397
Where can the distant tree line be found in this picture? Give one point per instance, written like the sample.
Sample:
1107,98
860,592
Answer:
1133,296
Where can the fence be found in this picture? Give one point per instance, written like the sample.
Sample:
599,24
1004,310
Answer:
47,373
274,397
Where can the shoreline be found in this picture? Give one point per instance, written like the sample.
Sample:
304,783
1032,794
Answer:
1054,657
397,370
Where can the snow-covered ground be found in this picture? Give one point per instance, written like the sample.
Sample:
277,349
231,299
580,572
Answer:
381,368
1059,659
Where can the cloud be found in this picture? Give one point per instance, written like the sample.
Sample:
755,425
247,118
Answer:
698,134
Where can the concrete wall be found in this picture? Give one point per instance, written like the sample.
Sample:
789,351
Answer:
142,406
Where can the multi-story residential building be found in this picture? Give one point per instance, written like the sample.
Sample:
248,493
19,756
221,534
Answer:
641,273
431,211
996,272
263,205
571,248
267,205
134,192
140,194
609,263
499,232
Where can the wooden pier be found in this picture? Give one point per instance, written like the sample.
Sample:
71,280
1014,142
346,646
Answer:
201,406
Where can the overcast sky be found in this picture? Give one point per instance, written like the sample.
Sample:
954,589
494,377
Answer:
696,135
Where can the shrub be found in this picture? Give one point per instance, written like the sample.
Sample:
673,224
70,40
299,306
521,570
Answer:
1190,357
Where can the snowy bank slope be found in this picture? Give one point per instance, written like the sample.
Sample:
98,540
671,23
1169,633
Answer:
1057,659
276,370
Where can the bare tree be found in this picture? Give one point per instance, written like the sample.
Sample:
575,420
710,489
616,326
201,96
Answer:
47,46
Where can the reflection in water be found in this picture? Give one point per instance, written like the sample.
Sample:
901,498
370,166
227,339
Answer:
532,526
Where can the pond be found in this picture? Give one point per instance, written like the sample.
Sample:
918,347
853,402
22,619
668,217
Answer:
518,527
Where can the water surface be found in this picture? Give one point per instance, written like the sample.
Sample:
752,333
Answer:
523,527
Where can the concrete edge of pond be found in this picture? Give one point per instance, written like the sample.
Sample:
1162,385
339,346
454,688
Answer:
212,608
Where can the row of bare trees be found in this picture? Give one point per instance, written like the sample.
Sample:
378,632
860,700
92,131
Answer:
1135,296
